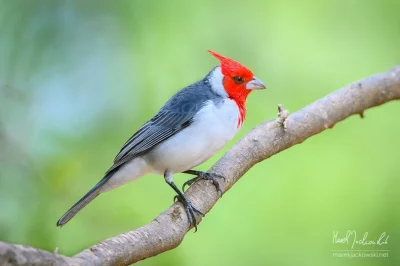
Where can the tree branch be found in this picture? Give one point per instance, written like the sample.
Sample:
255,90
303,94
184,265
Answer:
167,230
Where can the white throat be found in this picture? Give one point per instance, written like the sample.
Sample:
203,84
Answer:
216,79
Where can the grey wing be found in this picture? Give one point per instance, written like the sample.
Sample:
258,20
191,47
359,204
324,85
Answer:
163,126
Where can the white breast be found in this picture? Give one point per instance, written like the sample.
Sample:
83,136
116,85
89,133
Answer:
211,129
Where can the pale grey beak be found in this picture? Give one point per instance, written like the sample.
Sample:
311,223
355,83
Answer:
255,84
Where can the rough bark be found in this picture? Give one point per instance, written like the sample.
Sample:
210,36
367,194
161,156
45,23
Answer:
167,230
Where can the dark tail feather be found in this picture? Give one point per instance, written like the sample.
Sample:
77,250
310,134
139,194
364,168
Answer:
85,200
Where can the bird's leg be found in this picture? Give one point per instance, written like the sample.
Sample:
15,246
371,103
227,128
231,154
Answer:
205,176
190,210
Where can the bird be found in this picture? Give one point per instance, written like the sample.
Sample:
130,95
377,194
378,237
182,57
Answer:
192,126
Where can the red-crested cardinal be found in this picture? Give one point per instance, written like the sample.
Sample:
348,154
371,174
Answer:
191,127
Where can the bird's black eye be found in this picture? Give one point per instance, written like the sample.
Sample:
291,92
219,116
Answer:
238,79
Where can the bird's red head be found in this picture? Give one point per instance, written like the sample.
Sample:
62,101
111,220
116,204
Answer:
238,81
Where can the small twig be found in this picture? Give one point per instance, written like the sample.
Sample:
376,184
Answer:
282,116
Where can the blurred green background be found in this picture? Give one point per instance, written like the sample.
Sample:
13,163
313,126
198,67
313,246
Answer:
77,78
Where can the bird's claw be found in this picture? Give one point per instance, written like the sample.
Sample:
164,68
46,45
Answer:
176,198
206,176
190,211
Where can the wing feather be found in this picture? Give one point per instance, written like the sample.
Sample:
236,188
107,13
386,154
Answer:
163,126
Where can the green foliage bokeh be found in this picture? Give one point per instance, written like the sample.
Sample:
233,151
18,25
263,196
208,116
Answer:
77,78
